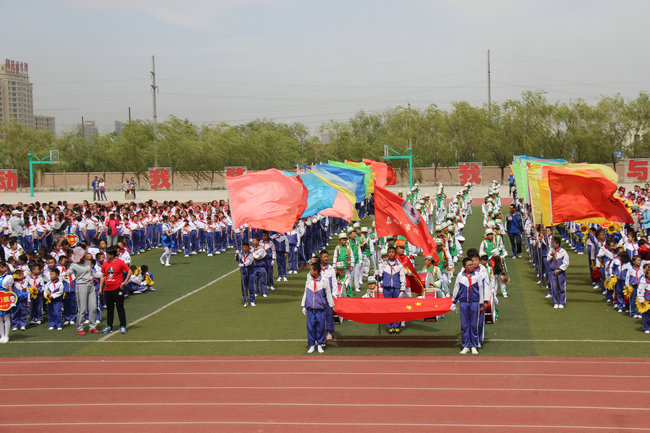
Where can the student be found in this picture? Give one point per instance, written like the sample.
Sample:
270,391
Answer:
470,295
372,289
245,261
270,257
329,274
558,261
112,286
69,295
393,281
19,311
54,291
259,268
167,240
36,301
6,284
643,296
634,276
316,298
343,287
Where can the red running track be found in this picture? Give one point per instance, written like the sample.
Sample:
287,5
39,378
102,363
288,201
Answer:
324,394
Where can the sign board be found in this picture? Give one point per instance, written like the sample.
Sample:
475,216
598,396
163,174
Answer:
235,171
637,170
7,300
160,178
8,179
16,67
469,172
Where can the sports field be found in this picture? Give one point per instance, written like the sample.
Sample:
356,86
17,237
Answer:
197,310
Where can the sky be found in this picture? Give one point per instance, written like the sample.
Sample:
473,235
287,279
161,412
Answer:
313,61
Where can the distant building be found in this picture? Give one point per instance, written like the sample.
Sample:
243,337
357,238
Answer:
16,96
118,126
44,123
89,129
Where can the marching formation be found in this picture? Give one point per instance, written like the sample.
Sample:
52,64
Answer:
618,255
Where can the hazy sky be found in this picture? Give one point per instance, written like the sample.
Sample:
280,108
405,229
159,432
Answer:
308,61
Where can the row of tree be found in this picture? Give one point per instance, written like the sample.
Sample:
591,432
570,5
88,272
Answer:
601,133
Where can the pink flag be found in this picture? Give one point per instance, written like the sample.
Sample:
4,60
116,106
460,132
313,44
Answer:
267,200
342,208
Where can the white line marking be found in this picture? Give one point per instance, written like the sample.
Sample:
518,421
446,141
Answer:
388,405
387,359
332,424
313,373
107,336
341,340
311,388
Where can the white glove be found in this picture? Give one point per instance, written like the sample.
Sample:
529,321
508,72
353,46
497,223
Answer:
272,262
241,265
453,307
304,311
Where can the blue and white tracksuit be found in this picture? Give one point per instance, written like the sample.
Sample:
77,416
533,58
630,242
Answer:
315,300
634,276
470,294
259,270
393,282
292,238
245,261
281,244
558,259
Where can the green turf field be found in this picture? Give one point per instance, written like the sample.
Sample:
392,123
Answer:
212,321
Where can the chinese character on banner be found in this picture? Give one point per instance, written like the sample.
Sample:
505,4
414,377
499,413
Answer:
159,178
469,172
8,180
637,169
235,171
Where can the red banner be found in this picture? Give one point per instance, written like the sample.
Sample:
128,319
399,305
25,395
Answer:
7,300
385,310
8,180
395,217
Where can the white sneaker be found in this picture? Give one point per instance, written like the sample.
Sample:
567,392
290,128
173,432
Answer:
548,296
167,264
245,305
556,306
4,339
272,288
252,304
86,322
647,332
357,290
210,255
59,329
474,351
14,329
284,279
279,279
162,263
505,295
311,349
320,349
561,307
402,325
465,351
22,328
51,328
265,296
620,311
97,322
38,322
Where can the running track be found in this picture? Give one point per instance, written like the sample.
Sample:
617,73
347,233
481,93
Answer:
324,394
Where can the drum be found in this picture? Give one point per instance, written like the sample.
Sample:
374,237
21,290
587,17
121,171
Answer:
490,313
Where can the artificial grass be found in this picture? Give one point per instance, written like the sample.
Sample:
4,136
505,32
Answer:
215,317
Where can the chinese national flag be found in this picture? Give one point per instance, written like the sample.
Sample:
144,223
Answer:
387,310
581,194
395,217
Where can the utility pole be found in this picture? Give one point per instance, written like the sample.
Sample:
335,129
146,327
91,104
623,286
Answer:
83,128
489,85
129,113
154,88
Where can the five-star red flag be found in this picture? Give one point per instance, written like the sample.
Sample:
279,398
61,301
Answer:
397,217
388,310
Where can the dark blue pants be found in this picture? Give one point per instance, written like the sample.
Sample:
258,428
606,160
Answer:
293,258
315,326
558,287
36,309
54,312
391,292
281,258
70,307
515,243
259,280
19,313
469,318
247,291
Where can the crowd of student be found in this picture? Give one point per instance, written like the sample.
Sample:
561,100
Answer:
618,255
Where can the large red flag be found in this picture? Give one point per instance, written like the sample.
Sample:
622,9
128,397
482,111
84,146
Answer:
384,173
582,194
394,217
268,200
386,310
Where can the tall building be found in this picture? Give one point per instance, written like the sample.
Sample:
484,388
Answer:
44,123
89,129
16,99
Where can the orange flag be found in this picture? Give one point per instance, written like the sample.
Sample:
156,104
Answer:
581,194
341,208
267,200
384,174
